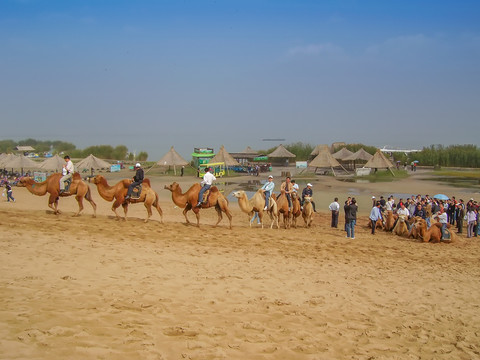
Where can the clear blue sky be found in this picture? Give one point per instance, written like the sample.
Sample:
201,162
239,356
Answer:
151,74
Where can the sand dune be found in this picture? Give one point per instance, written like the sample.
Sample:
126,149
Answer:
97,288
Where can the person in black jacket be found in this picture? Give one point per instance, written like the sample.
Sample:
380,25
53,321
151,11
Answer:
137,180
351,218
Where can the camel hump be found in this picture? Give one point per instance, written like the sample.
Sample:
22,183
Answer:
146,182
214,189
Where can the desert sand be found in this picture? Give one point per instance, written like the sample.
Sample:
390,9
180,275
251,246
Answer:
98,288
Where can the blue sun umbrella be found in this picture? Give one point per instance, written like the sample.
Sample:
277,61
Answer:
441,197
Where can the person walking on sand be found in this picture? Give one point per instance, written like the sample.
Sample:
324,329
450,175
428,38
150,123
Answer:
334,207
8,187
68,170
375,215
267,189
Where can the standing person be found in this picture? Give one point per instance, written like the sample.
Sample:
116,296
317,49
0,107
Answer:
471,218
460,216
287,186
182,170
267,189
351,218
443,219
375,215
334,207
8,187
347,203
308,192
206,183
68,171
137,180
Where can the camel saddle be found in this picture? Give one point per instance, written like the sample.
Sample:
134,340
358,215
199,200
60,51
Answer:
205,197
446,235
67,185
136,192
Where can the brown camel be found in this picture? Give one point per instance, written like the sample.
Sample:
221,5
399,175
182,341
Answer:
307,211
189,199
282,205
434,234
401,228
378,224
257,204
117,192
389,220
296,209
78,187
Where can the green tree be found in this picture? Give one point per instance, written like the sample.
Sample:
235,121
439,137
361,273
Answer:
142,156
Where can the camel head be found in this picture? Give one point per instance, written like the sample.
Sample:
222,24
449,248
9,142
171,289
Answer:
97,179
239,194
174,186
308,199
402,219
25,180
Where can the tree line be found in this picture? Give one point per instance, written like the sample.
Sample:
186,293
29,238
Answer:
119,152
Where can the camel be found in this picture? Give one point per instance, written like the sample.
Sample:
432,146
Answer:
307,211
78,187
401,228
188,201
282,205
117,192
257,204
296,209
389,221
434,234
378,224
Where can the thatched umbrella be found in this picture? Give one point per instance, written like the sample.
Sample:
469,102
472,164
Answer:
379,161
92,162
55,163
342,154
225,157
172,158
325,160
359,155
18,162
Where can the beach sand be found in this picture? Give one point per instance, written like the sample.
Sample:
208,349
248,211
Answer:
98,288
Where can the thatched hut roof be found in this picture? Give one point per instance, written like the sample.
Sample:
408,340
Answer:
281,152
54,163
319,148
249,150
172,158
324,160
361,154
379,161
342,154
225,157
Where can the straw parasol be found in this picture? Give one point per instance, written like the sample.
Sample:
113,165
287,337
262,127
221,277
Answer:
224,156
319,148
54,163
379,161
342,154
361,154
172,158
325,160
92,162
18,162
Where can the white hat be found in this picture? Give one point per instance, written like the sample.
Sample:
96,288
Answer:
373,197
137,165
309,184
270,176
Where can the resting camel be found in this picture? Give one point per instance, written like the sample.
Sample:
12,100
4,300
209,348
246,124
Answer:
257,204
401,229
307,211
378,224
282,205
78,187
117,192
389,220
434,234
189,199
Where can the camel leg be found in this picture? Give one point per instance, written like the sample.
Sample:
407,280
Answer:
148,206
219,213
53,204
88,197
187,208
80,204
260,215
125,210
196,211
229,216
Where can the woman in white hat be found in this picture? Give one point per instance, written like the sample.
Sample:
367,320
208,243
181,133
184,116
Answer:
268,190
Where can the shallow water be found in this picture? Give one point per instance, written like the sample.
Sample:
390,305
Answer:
456,181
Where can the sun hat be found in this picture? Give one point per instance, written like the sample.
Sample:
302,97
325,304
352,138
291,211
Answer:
373,197
270,176
309,184
137,165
